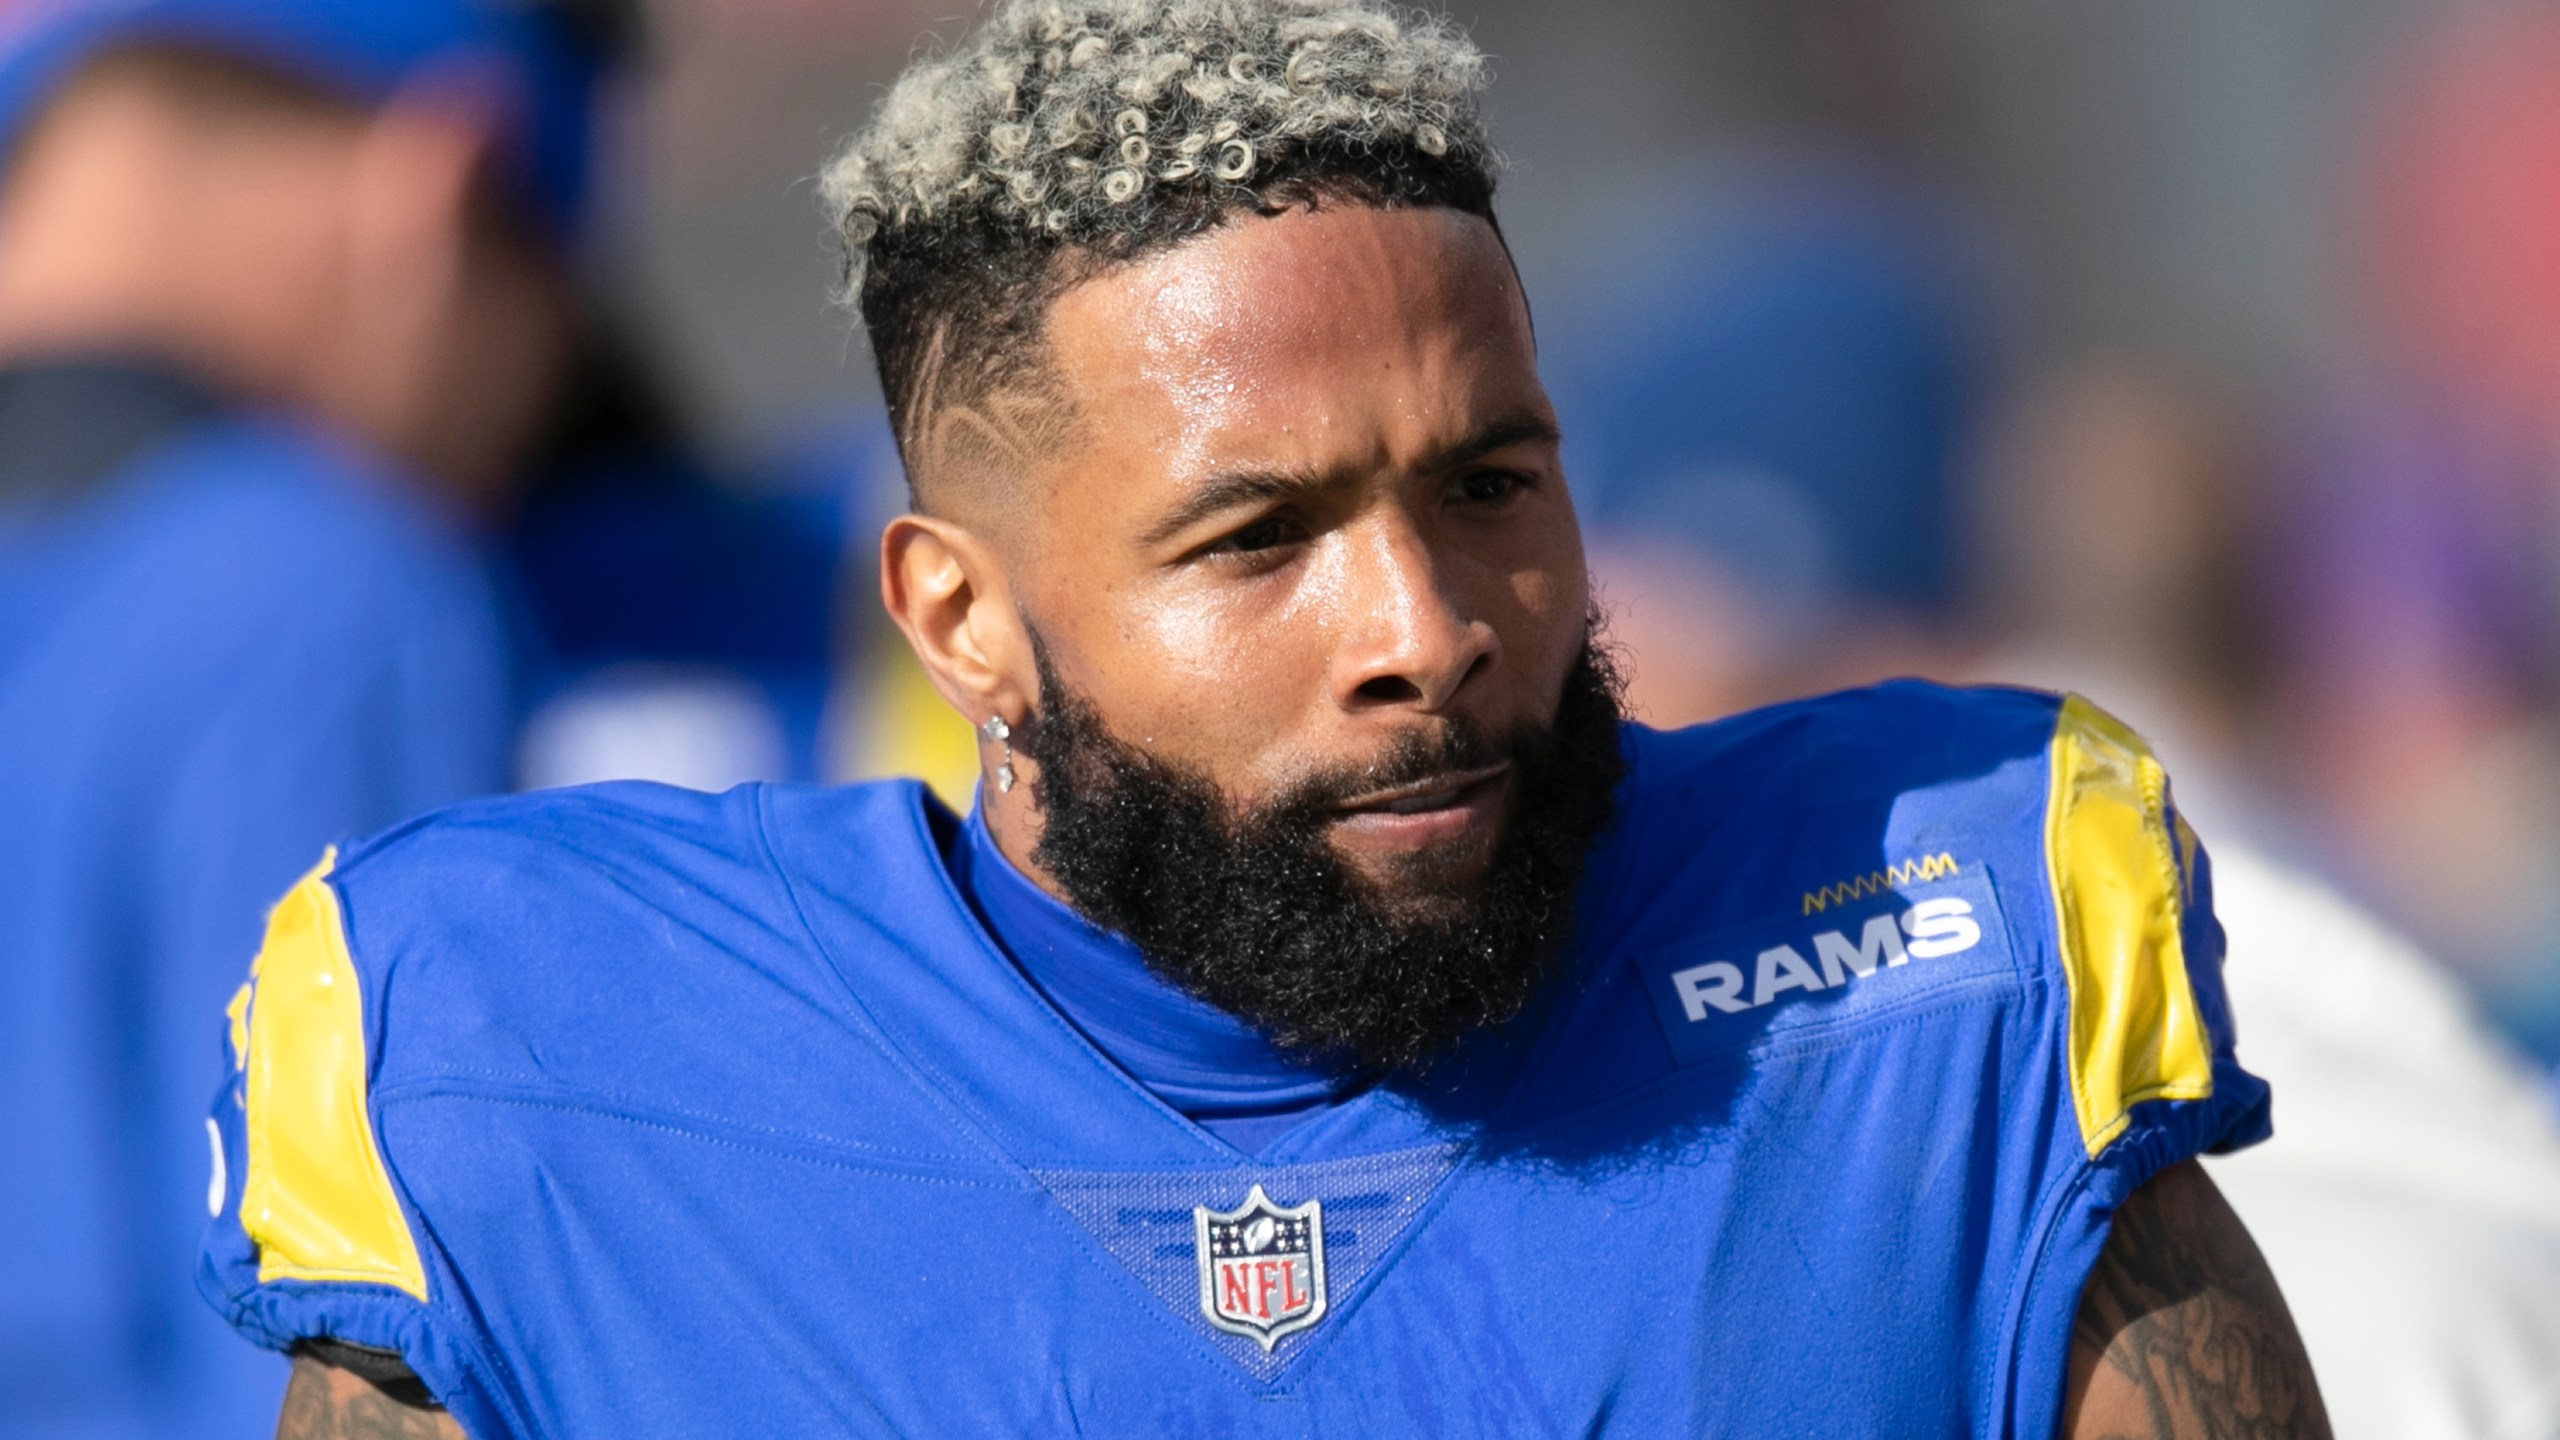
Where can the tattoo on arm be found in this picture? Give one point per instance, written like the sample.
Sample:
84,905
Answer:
2182,1333
324,1402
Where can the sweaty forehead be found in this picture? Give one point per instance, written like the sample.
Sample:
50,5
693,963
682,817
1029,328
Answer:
1309,338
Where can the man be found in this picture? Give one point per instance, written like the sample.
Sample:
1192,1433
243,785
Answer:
1332,1019
282,300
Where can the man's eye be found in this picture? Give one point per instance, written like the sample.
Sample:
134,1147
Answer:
1264,534
1481,487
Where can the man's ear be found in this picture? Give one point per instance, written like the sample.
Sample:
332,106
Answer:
418,165
412,175
946,590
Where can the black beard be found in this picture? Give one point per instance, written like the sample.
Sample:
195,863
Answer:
1257,915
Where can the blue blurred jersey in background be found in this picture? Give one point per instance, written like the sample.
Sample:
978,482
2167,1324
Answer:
226,640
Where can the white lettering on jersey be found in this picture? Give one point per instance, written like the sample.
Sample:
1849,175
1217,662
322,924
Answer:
221,1178
1879,944
1937,928
1715,983
1941,927
1782,969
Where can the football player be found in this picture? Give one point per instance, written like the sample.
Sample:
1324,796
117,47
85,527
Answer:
1333,1018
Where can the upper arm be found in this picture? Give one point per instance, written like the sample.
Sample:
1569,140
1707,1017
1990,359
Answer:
311,1248
2182,1333
329,1402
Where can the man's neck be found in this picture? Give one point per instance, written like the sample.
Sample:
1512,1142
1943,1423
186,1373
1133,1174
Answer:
1203,1062
1011,821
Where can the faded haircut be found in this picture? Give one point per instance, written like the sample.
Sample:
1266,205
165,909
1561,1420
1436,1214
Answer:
1069,136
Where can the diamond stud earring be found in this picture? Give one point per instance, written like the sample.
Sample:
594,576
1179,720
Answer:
996,730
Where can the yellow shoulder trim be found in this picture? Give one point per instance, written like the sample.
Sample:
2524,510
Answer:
238,1013
2135,1033
317,1199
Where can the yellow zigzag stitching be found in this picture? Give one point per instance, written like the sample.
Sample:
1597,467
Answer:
1876,882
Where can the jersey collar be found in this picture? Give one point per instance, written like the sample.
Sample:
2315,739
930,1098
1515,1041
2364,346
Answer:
941,992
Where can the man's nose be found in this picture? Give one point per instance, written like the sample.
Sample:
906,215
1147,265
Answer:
1410,640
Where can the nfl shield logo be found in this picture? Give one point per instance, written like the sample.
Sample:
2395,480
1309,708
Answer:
1261,1267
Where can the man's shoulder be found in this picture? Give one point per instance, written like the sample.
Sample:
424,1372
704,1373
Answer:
243,645
1768,811
608,921
1900,867
546,866
1782,826
265,481
1896,737
544,847
455,1024
248,536
638,821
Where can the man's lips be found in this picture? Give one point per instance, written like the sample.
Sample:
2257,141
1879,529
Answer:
1426,812
1434,793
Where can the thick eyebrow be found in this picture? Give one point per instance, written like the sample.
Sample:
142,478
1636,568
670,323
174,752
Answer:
1236,488
1228,490
1520,427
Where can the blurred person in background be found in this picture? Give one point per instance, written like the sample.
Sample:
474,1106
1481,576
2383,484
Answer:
2113,545
679,615
2419,581
285,309
1767,399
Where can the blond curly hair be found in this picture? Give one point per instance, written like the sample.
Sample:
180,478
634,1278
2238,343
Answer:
1098,130
1064,117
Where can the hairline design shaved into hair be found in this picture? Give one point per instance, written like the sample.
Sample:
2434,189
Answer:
1067,137
969,446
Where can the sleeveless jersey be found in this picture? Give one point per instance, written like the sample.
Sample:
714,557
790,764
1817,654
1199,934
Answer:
631,1111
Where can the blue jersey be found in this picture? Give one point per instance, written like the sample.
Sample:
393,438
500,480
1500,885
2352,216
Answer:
632,1111
221,647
